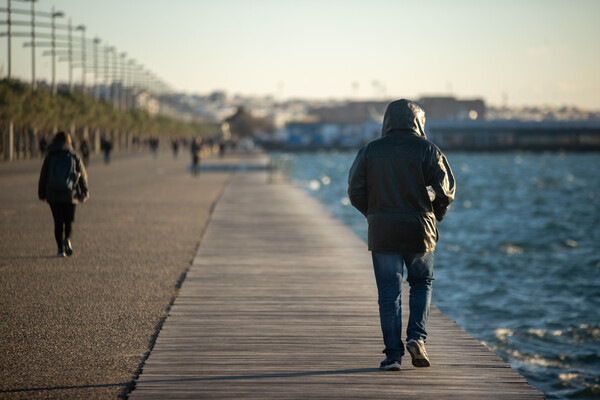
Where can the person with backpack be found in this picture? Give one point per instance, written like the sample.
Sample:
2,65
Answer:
63,184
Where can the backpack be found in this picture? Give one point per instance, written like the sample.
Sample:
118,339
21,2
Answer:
62,172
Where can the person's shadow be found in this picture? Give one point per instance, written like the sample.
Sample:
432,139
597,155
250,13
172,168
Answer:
269,376
30,257
128,386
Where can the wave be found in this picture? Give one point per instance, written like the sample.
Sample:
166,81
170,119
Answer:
517,265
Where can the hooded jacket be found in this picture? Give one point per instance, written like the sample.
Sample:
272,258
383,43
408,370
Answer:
389,179
69,196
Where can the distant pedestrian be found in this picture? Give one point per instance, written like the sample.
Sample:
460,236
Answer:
154,147
63,183
43,146
106,147
175,147
196,152
85,152
389,184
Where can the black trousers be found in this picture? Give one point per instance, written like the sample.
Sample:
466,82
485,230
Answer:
195,165
64,216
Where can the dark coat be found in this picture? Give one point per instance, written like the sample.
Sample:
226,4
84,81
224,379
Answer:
69,196
389,179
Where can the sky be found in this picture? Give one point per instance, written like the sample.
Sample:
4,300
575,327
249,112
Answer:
510,52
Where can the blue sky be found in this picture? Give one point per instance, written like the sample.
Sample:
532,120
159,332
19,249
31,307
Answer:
522,52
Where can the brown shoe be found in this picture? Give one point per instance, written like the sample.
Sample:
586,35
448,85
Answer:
417,351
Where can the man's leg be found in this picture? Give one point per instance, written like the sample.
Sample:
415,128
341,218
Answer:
420,277
388,275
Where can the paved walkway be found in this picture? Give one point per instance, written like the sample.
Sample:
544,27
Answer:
79,327
280,302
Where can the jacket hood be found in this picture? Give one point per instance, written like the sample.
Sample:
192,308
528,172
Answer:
59,146
404,115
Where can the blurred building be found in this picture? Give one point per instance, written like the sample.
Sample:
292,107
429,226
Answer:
354,112
452,109
307,135
144,101
515,135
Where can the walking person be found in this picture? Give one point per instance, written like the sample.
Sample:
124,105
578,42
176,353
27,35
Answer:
43,146
389,183
175,147
154,146
84,148
106,146
63,183
196,152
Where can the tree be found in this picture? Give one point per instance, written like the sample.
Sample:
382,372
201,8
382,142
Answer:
27,109
244,124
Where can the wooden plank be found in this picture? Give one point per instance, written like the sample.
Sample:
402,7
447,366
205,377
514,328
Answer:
281,303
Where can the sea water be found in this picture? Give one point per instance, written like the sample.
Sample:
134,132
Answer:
518,260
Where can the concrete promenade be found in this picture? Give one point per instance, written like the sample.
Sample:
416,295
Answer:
280,303
80,327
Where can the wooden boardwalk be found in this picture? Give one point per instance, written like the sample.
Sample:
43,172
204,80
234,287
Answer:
280,303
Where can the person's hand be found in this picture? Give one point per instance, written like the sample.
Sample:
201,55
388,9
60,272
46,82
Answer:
43,200
84,199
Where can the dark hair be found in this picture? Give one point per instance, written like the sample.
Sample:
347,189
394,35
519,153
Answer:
61,137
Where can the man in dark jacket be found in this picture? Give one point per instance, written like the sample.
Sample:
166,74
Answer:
62,160
392,182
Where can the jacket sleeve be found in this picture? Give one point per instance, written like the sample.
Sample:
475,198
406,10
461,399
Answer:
357,183
441,179
43,182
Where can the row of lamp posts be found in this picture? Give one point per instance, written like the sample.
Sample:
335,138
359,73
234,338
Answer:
122,74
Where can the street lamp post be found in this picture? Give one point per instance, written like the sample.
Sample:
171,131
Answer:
10,144
9,35
33,81
96,87
70,53
111,73
115,95
33,34
83,69
139,82
123,83
130,71
54,14
106,50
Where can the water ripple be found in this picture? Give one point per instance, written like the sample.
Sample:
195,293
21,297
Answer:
517,265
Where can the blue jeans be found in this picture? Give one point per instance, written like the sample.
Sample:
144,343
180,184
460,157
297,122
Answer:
388,275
